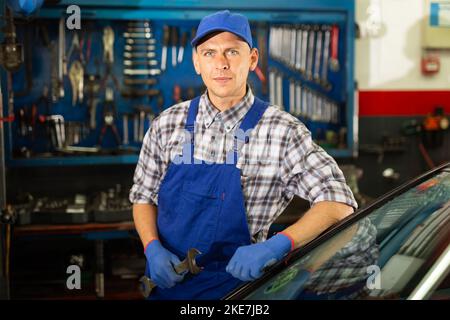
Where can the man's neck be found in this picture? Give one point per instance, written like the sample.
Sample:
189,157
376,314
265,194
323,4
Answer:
226,103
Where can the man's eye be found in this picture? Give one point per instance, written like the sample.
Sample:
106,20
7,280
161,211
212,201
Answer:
233,52
208,53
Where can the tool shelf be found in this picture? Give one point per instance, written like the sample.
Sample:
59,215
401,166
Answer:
185,15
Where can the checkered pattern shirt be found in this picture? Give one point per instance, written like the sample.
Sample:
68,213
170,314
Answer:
280,161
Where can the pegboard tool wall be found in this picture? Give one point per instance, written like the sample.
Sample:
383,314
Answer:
341,91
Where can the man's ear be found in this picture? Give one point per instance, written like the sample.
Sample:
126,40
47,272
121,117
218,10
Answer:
254,57
195,61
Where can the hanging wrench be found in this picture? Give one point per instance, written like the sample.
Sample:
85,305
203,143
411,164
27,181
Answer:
291,107
316,75
305,36
310,58
298,49
272,87
334,59
76,76
326,55
293,47
108,44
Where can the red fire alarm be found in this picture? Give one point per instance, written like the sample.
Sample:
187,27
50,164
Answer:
430,63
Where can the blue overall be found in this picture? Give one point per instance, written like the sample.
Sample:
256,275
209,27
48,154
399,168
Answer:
201,205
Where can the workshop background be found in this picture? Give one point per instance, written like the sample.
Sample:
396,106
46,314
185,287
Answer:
370,79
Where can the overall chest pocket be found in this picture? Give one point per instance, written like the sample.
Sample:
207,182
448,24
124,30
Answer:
194,217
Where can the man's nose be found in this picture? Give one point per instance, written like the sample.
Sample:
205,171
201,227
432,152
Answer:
222,62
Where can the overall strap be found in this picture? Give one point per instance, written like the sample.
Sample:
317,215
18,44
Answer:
249,122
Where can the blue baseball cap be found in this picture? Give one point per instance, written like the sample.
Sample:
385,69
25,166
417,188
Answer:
224,21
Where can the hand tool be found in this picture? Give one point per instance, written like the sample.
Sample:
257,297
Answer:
139,47
318,57
125,129
305,102
108,57
132,72
305,36
141,124
310,57
164,48
58,122
76,76
139,35
133,41
54,72
279,92
140,63
298,49
92,88
108,44
298,99
326,55
293,43
62,63
109,114
182,45
261,38
291,107
272,86
187,265
11,52
174,41
139,29
136,127
129,55
285,52
334,60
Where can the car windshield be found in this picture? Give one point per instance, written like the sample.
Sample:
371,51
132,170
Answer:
383,255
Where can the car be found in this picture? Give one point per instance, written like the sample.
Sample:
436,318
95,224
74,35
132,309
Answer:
398,247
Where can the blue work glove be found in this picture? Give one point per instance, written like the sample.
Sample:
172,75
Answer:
161,265
248,262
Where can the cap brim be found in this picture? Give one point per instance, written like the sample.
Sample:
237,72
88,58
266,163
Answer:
200,36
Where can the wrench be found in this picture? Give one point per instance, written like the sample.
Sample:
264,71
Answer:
76,76
133,41
326,55
305,36
139,35
187,264
108,43
310,57
130,55
318,56
298,49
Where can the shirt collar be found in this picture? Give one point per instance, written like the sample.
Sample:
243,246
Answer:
231,116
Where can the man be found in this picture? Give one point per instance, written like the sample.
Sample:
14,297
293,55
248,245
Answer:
220,190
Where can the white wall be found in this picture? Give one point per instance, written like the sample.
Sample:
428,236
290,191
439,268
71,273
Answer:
391,60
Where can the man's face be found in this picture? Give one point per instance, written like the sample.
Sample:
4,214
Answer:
224,61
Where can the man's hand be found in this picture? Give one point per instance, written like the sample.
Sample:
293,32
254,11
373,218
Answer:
161,264
249,261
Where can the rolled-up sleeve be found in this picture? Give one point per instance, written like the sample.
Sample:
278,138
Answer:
149,170
311,173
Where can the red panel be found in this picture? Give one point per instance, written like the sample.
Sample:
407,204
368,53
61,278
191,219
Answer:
402,103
